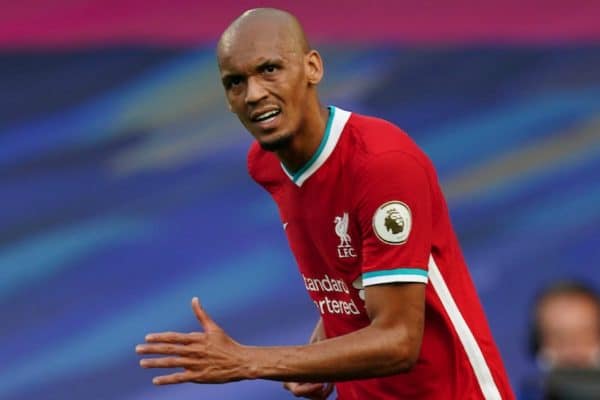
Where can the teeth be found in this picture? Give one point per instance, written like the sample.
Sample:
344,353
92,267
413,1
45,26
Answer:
267,115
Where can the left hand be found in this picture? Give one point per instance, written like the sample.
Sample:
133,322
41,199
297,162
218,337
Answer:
206,357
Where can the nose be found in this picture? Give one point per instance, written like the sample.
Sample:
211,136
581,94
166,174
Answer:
255,91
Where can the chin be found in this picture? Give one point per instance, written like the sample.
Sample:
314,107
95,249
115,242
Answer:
277,143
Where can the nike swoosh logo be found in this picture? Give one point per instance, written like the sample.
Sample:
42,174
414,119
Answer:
285,224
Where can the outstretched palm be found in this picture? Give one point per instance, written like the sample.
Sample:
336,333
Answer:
206,357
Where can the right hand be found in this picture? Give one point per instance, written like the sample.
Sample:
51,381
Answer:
312,391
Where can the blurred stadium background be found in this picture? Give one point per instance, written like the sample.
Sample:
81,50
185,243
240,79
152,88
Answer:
124,190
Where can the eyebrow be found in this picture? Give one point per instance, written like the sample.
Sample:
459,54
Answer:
228,76
261,64
270,61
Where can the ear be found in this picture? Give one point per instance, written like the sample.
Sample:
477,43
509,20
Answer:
314,67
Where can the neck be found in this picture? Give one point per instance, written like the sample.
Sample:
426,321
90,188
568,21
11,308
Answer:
307,140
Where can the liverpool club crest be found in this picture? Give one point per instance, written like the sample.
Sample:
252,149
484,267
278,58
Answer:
345,248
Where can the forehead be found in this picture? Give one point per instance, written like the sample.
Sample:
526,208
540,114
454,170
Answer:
566,306
252,45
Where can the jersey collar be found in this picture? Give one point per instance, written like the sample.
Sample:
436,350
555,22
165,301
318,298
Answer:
333,130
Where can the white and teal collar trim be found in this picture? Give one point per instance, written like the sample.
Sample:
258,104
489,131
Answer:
333,130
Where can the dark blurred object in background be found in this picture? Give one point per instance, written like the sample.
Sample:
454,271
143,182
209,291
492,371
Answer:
573,384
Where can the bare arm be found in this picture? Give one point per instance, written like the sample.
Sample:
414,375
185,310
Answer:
390,344
310,390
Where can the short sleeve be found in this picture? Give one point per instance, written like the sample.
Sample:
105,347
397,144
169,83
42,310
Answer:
394,209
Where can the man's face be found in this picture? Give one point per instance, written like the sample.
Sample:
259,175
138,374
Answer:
265,84
570,331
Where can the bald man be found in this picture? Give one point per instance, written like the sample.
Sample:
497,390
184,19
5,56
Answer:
367,222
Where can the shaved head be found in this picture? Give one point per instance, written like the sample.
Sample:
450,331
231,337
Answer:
261,22
270,76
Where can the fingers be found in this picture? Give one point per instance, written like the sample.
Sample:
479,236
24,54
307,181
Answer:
328,390
169,343
179,377
184,350
168,349
174,337
167,362
308,390
205,320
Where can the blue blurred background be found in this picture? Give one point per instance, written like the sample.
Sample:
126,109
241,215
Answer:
124,189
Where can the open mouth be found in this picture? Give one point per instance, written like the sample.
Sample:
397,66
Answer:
267,116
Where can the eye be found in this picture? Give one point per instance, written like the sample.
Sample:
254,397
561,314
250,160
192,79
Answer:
270,68
233,82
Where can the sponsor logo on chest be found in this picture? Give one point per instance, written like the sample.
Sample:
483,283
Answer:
344,249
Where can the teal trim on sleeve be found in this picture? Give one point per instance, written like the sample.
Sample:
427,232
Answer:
397,271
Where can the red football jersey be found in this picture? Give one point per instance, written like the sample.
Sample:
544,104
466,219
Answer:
367,209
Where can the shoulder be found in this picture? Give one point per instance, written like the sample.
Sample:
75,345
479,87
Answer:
380,146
